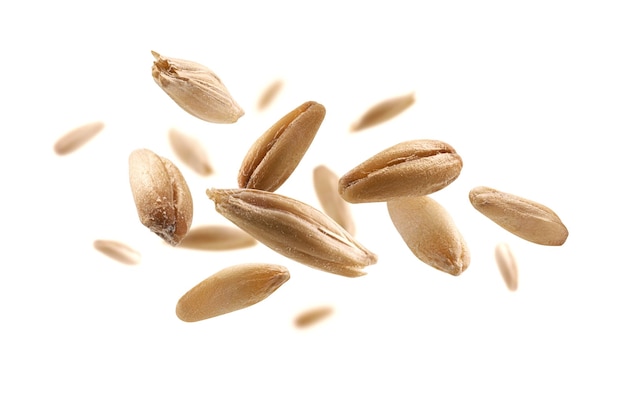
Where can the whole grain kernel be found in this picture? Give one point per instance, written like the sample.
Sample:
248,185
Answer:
527,219
190,151
77,137
312,316
117,250
196,89
411,168
383,111
431,234
325,182
294,229
507,265
231,289
269,94
217,237
161,195
276,154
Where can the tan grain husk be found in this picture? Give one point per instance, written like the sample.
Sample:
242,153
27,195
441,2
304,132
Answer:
161,195
294,229
312,316
431,234
217,237
269,95
190,151
527,219
77,137
275,155
507,265
231,289
196,89
325,182
383,111
118,251
411,168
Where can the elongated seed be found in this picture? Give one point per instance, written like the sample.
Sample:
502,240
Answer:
277,153
507,265
217,237
429,231
161,195
312,316
527,219
190,151
325,182
383,111
269,94
196,89
416,167
77,137
231,289
294,229
117,251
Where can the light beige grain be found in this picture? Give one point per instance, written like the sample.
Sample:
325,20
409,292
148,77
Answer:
276,154
161,195
520,216
294,229
231,289
117,251
196,89
217,237
383,111
411,168
312,316
507,265
269,94
190,151
429,231
326,182
77,137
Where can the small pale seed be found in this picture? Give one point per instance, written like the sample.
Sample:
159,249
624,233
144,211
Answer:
416,167
527,219
217,237
269,94
77,137
325,182
190,151
231,289
161,195
383,111
429,231
507,265
294,229
312,316
276,154
117,251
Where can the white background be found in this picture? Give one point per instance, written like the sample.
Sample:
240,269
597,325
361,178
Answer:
531,94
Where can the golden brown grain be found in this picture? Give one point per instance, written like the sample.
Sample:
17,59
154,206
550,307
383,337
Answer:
507,265
117,251
326,182
383,111
77,137
231,289
217,237
312,316
190,151
269,94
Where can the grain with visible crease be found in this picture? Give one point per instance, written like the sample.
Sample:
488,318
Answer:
294,229
527,219
190,151
383,111
231,289
507,265
430,233
275,155
325,182
161,195
77,137
196,89
411,168
117,251
217,237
